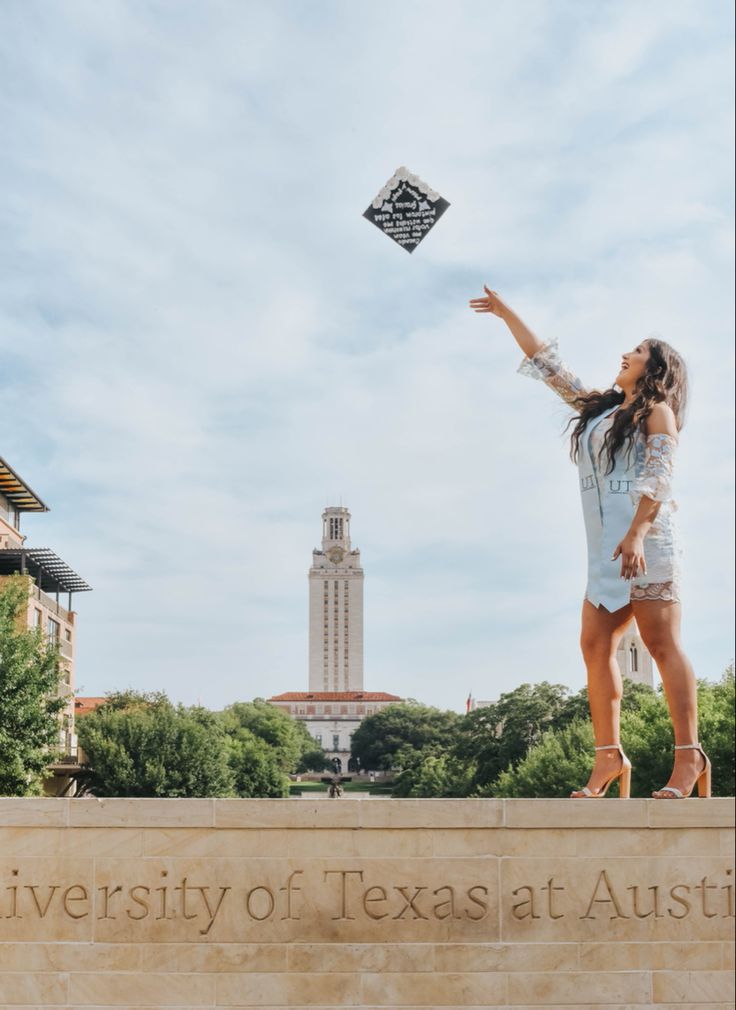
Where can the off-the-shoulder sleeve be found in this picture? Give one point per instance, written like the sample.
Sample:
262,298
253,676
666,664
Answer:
547,366
655,479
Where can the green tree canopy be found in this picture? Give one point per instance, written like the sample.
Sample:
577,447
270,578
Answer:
401,728
143,745
492,738
562,759
287,737
140,744
256,766
30,700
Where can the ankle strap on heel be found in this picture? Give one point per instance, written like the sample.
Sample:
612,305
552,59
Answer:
688,746
609,746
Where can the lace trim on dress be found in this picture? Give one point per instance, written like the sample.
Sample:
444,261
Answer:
655,479
668,591
547,366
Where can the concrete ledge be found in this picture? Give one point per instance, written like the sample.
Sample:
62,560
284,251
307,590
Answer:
367,813
366,903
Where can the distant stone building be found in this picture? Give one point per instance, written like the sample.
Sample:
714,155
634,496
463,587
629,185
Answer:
336,608
336,703
49,579
333,716
634,659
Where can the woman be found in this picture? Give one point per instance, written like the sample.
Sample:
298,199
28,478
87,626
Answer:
623,440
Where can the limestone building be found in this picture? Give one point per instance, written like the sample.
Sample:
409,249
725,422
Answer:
336,608
634,659
49,580
336,703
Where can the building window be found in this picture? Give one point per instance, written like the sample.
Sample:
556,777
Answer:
336,741
318,739
52,630
37,618
634,659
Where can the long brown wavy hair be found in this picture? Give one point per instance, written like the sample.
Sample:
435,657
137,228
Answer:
664,381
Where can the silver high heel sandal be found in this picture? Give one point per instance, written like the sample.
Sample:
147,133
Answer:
624,773
703,781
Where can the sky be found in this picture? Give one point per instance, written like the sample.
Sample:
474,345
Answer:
203,343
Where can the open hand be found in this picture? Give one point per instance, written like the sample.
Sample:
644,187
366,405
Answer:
631,551
490,303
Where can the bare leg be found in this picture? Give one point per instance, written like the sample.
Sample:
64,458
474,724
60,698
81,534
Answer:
599,637
659,624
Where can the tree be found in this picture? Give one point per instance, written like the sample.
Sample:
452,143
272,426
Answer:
430,771
255,766
492,738
289,739
30,700
559,763
562,759
401,728
143,745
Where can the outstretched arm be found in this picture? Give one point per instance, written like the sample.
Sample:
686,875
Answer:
541,359
529,342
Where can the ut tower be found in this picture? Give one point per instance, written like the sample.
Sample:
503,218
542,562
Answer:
336,608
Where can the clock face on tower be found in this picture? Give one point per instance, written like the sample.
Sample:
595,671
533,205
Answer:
336,554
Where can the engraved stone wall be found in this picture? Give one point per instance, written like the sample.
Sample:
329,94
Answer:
366,903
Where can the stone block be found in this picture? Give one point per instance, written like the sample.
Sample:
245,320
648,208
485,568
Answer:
46,899
151,813
692,986
440,990
292,990
160,990
718,812
358,958
216,844
27,812
214,957
647,899
63,956
485,957
308,814
70,842
652,956
455,814
502,842
33,990
605,813
637,842
566,987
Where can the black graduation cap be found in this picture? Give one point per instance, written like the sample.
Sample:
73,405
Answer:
406,209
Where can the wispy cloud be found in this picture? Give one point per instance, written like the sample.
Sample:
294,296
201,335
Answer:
204,343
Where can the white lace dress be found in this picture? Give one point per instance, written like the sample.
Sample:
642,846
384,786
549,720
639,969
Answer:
611,499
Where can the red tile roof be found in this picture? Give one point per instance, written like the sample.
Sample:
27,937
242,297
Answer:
83,706
335,696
